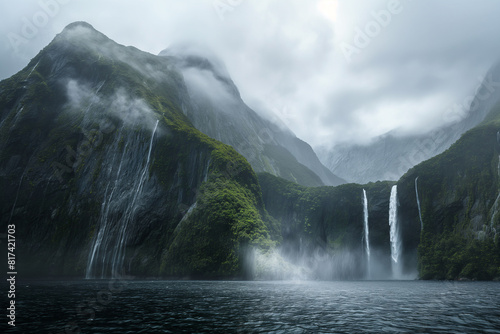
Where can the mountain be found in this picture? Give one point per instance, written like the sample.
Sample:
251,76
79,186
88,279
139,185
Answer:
323,230
102,174
214,106
458,206
445,212
389,156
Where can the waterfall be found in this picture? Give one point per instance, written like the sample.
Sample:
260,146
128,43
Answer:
394,233
32,70
17,193
119,254
121,202
104,231
498,168
494,209
367,232
418,204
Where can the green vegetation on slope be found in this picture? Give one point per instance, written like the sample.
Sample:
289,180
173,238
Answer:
189,167
458,189
289,168
228,217
330,218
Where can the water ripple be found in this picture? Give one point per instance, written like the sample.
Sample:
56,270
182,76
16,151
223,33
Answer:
259,307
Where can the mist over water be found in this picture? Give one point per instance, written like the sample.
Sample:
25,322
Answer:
296,259
320,265
276,264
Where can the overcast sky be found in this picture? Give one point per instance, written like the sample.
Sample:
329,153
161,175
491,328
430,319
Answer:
334,71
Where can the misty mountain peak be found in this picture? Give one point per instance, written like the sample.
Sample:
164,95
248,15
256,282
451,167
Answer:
79,24
195,59
80,29
195,50
81,33
196,55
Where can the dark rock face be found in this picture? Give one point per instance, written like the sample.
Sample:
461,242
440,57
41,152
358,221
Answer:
99,166
458,192
103,173
408,217
216,109
323,227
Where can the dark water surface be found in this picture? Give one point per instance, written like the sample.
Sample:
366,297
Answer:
255,307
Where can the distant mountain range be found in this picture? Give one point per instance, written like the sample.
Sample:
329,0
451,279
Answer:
389,156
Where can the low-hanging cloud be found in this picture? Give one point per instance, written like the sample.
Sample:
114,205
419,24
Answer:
204,83
120,105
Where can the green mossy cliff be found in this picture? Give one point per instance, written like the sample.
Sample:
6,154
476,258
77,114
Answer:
102,172
459,196
327,223
76,126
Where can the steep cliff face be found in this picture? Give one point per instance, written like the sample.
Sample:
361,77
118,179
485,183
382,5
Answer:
447,212
392,155
458,192
215,107
102,174
323,228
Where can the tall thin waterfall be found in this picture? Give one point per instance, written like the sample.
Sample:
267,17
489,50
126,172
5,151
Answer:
394,233
17,194
418,204
367,233
119,208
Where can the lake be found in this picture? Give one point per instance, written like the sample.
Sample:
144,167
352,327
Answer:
115,306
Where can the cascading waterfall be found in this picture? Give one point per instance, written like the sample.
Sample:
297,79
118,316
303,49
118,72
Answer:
32,70
496,205
121,203
394,233
367,233
104,232
498,167
119,255
17,194
418,204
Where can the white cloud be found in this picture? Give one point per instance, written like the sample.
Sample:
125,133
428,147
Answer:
131,111
204,82
286,54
